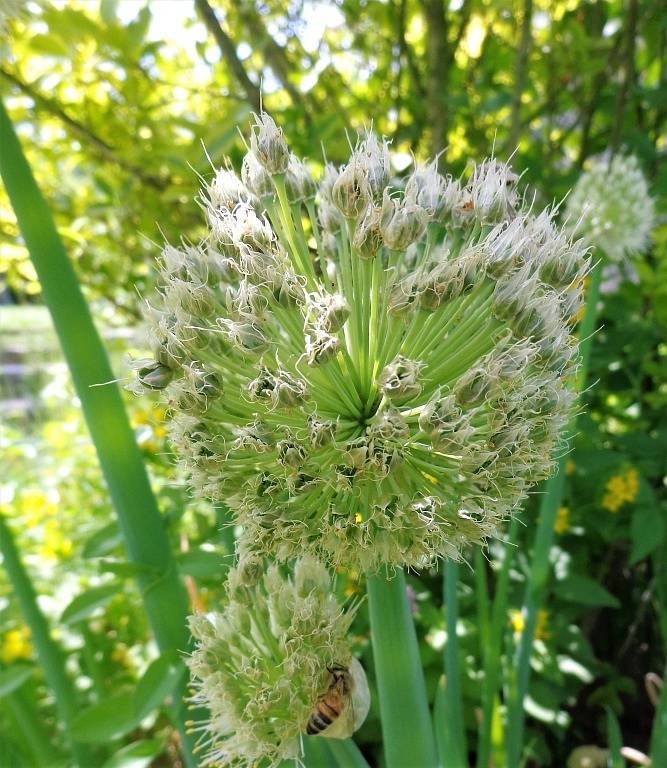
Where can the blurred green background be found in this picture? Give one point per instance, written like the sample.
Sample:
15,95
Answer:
121,107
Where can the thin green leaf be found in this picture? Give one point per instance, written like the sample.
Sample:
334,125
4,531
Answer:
13,678
157,682
139,754
143,530
107,720
453,705
614,741
85,604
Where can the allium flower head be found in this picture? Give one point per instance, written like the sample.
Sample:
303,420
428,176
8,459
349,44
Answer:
263,663
611,208
366,374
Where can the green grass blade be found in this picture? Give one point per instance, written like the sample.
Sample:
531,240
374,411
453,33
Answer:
482,600
26,717
456,756
614,741
659,731
49,653
539,572
406,722
143,529
493,649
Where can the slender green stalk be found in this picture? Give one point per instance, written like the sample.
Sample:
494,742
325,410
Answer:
35,739
457,753
49,653
614,741
482,600
406,723
659,731
493,650
143,529
539,571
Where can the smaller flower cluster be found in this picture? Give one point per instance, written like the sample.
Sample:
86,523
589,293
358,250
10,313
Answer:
610,206
267,658
621,489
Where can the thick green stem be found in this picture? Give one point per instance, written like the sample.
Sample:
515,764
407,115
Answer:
493,649
49,653
406,722
142,526
456,756
539,572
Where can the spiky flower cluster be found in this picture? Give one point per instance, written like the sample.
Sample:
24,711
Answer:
366,374
265,660
610,206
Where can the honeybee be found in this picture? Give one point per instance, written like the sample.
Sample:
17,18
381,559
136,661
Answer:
344,706
336,700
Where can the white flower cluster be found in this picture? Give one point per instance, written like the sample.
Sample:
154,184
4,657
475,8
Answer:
264,661
611,207
369,375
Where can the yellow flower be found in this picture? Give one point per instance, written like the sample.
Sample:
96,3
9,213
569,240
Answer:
36,505
570,466
562,523
517,621
16,645
542,625
621,489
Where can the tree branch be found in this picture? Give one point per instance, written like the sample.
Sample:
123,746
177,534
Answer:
437,58
100,146
521,73
628,73
228,51
406,52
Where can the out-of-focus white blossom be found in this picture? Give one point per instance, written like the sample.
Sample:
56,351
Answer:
611,208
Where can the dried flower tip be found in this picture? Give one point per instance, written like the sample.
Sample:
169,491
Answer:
268,144
321,432
321,347
226,190
426,187
373,155
492,192
328,311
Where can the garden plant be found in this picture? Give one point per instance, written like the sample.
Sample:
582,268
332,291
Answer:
334,384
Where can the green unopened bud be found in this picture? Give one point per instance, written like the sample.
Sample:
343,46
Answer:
402,222
399,379
351,192
268,144
154,375
256,177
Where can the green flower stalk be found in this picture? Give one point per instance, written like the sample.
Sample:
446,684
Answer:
273,663
611,208
365,374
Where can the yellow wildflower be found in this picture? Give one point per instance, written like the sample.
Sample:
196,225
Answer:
542,625
562,524
570,466
621,489
517,621
16,645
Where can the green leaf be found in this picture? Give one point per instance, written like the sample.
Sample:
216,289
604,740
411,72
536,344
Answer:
88,602
157,682
203,564
647,532
13,678
103,541
581,589
614,741
139,754
126,570
107,720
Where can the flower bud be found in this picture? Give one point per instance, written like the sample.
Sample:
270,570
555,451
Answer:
256,178
492,191
268,144
401,223
351,193
367,239
399,379
298,181
154,375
